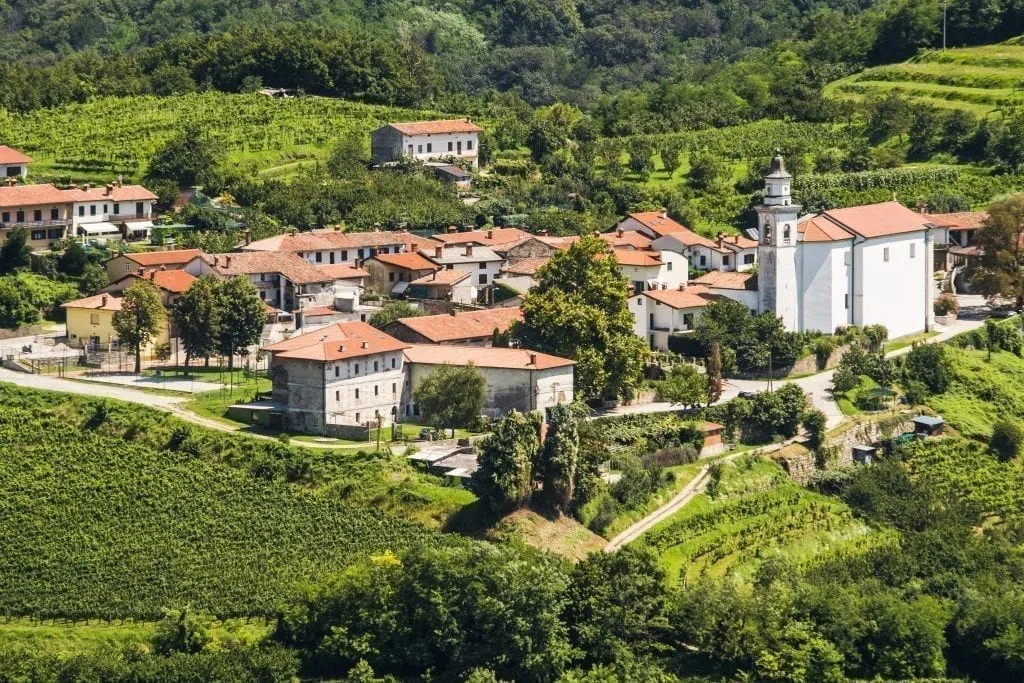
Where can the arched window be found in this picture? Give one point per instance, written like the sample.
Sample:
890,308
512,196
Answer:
767,232
785,233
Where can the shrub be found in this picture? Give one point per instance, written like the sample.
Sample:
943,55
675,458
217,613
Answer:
674,455
843,380
814,423
876,336
931,365
915,392
1007,439
823,348
946,304
605,515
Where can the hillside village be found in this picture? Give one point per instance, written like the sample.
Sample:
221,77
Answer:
512,341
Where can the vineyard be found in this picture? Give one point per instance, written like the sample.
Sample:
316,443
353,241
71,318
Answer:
118,135
95,526
977,79
759,511
982,392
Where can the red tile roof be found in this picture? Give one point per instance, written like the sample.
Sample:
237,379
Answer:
31,195
98,302
484,357
162,258
293,267
694,296
339,271
484,238
315,311
445,277
528,266
657,222
174,281
406,261
721,279
330,240
117,193
633,257
879,220
960,220
627,238
561,241
821,229
340,341
9,155
437,127
462,326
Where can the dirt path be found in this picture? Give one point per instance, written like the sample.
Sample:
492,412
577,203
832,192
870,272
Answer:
691,490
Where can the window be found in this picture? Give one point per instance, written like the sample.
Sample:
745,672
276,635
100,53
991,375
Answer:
449,146
687,320
359,253
19,216
384,250
639,301
54,214
430,147
337,395
391,276
392,362
376,366
319,257
94,318
127,267
703,260
482,279
139,208
337,371
344,254
482,266
263,295
725,260
410,150
357,368
748,259
846,301
785,234
913,251
885,254
419,149
332,257
92,209
104,208
117,209
357,393
376,390
37,216
469,144
54,234
6,217
81,211
357,414
668,266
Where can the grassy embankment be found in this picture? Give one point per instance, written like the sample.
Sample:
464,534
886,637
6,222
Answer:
976,79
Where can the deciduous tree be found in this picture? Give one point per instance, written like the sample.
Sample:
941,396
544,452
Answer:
685,386
392,311
504,479
998,272
15,252
451,396
242,317
141,317
197,318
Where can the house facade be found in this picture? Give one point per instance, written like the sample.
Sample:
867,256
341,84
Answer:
90,324
285,281
482,263
651,269
390,274
726,252
451,140
663,312
128,262
111,211
333,247
13,164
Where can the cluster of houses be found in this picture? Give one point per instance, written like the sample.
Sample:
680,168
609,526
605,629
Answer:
332,372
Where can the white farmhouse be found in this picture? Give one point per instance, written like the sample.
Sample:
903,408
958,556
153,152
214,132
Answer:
861,265
13,164
664,312
652,270
111,211
457,139
482,263
726,252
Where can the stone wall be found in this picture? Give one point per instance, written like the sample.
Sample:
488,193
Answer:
808,365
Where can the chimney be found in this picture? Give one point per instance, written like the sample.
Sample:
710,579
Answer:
663,213
110,189
664,285
216,260
248,237
373,251
376,227
120,180
469,250
681,286
490,234
86,187
103,301
438,252
721,239
366,344
469,119
533,359
227,261
618,232
163,267
452,313
452,228
341,349
543,233
152,274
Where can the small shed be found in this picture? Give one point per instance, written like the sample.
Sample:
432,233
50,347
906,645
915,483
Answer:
864,454
927,425
449,173
713,443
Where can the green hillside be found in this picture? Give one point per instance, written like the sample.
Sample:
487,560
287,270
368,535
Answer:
977,79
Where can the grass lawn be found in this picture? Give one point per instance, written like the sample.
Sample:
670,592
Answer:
983,392
848,402
908,340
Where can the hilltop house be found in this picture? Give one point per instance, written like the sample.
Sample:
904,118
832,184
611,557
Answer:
13,164
457,139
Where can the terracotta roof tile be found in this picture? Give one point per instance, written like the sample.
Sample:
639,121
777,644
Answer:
657,223
484,238
722,279
293,267
31,195
9,155
406,261
462,326
328,240
99,302
627,238
528,266
174,281
879,220
484,357
446,277
694,296
633,257
961,220
339,341
436,127
163,258
340,271
561,241
118,193
821,228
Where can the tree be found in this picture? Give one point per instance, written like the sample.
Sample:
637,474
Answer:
932,365
182,631
814,424
197,318
1007,439
141,317
74,260
188,159
685,386
705,171
15,307
714,372
640,158
504,479
15,252
94,278
451,396
579,310
560,456
392,311
998,271
669,153
242,317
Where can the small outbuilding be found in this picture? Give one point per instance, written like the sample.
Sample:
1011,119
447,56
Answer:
928,425
864,454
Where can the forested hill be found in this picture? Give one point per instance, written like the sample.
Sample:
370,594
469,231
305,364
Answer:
643,66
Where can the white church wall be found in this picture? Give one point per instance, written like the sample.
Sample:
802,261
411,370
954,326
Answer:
892,283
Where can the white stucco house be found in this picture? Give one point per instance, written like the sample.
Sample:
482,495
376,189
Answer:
651,269
725,252
111,211
482,263
860,265
662,312
13,164
456,139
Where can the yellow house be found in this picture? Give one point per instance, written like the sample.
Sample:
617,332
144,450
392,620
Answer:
90,323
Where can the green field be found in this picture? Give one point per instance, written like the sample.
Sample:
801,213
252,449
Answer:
260,136
760,512
976,79
983,391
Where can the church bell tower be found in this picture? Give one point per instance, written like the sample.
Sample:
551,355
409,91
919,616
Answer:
778,287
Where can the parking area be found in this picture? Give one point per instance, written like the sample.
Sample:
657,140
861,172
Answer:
181,384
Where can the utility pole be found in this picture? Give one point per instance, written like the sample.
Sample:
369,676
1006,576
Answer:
944,3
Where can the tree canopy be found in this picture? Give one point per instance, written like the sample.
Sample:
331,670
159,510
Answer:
141,317
451,396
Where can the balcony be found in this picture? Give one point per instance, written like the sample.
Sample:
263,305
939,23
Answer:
29,225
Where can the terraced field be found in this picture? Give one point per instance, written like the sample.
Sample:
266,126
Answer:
758,513
977,79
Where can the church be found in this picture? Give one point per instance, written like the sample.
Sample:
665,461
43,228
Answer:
863,265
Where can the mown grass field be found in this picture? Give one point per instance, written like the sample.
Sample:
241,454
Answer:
759,512
976,79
